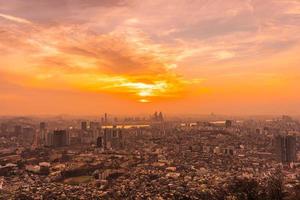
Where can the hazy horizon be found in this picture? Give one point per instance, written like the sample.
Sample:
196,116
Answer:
147,115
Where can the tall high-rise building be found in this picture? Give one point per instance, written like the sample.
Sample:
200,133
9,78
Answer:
84,126
155,116
100,142
43,133
43,126
17,130
94,125
60,138
160,117
290,148
28,133
112,138
105,118
4,129
228,123
48,139
285,147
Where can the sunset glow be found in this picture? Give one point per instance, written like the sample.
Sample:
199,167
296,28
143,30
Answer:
177,56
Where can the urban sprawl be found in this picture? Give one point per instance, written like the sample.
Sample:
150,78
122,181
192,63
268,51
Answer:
152,157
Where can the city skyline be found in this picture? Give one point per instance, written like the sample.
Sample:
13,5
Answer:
126,56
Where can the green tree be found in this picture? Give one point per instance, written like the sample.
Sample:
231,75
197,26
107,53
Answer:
275,185
244,189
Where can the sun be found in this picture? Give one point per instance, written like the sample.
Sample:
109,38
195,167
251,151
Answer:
145,93
144,101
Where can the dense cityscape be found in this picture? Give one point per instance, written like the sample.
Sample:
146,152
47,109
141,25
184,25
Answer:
149,157
149,100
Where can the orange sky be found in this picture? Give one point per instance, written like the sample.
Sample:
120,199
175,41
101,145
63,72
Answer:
131,56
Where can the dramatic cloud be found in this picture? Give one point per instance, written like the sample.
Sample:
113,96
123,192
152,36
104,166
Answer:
71,56
15,19
151,51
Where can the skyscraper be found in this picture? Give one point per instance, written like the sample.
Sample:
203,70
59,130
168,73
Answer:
105,118
285,147
290,143
94,125
84,125
43,132
100,142
60,138
4,129
228,123
160,117
28,133
43,126
17,130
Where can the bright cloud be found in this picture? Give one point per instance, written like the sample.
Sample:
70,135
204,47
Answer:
15,19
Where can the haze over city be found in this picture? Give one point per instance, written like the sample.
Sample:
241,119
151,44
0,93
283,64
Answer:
128,56
149,99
